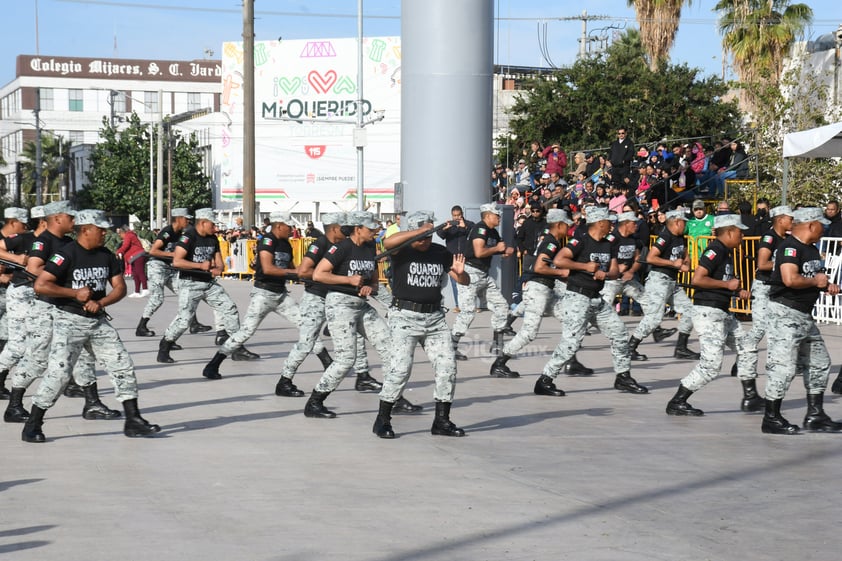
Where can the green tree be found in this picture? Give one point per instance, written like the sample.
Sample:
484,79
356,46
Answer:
119,176
55,165
658,22
580,106
758,34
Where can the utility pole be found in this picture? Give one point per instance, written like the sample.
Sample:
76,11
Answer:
39,198
160,179
360,134
248,115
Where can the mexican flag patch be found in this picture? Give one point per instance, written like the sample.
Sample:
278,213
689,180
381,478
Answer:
332,249
710,254
790,252
767,239
551,246
267,241
574,242
313,249
57,259
660,241
481,231
38,246
184,239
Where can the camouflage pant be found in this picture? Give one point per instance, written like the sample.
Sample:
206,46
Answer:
481,284
536,299
795,347
160,275
312,310
614,288
4,319
659,289
19,302
190,293
39,340
430,330
578,311
262,303
717,329
747,360
351,318
73,335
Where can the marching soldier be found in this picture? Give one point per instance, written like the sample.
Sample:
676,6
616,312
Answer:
484,242
15,225
668,256
39,326
269,294
715,285
161,274
590,262
199,263
795,344
419,272
76,277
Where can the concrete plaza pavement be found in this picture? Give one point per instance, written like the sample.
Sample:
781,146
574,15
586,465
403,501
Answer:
239,474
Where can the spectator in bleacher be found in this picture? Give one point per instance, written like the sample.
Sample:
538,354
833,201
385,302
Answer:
311,231
719,161
620,156
580,163
762,220
831,212
700,225
723,208
739,160
556,159
744,208
591,164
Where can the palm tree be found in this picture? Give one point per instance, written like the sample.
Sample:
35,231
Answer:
658,22
758,34
55,165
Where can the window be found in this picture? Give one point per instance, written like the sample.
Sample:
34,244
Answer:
119,101
76,137
76,102
47,99
150,101
194,101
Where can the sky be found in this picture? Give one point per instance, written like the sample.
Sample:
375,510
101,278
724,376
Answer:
190,29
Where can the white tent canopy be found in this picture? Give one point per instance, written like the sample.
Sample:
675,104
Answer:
821,142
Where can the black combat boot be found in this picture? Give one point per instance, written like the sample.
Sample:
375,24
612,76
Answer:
143,329
455,340
546,386
817,420
681,350
164,348
633,354
837,384
325,358
32,429
734,370
243,353
4,393
285,388
326,331
221,337
383,423
498,340
774,422
315,406
211,369
625,383
441,424
15,413
196,327
507,329
660,334
575,368
499,368
174,346
94,408
72,389
135,424
679,407
751,400
405,407
365,383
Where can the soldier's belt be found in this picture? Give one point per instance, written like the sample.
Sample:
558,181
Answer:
589,292
276,288
84,313
426,308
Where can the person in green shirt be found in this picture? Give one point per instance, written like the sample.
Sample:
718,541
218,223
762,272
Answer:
700,225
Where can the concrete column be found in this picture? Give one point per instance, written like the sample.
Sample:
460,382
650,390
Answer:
446,104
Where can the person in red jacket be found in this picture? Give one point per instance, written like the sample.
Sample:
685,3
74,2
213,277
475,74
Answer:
556,159
134,255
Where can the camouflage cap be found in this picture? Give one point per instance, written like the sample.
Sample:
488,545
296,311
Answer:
282,217
333,218
677,214
19,214
782,210
37,212
92,216
59,207
176,212
597,214
204,214
555,215
362,218
490,207
725,220
418,219
809,214
627,217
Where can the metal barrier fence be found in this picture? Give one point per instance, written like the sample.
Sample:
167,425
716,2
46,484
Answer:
828,308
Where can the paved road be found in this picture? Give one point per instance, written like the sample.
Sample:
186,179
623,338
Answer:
239,474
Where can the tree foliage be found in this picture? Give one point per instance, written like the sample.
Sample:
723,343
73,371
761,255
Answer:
658,22
55,166
580,106
119,177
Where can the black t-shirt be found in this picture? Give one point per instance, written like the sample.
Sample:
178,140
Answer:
349,259
169,238
76,267
199,250
44,246
624,248
671,248
547,248
418,276
281,252
19,245
315,252
589,250
770,240
719,261
809,262
490,236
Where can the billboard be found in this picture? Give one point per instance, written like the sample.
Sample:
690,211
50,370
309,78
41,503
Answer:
305,109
